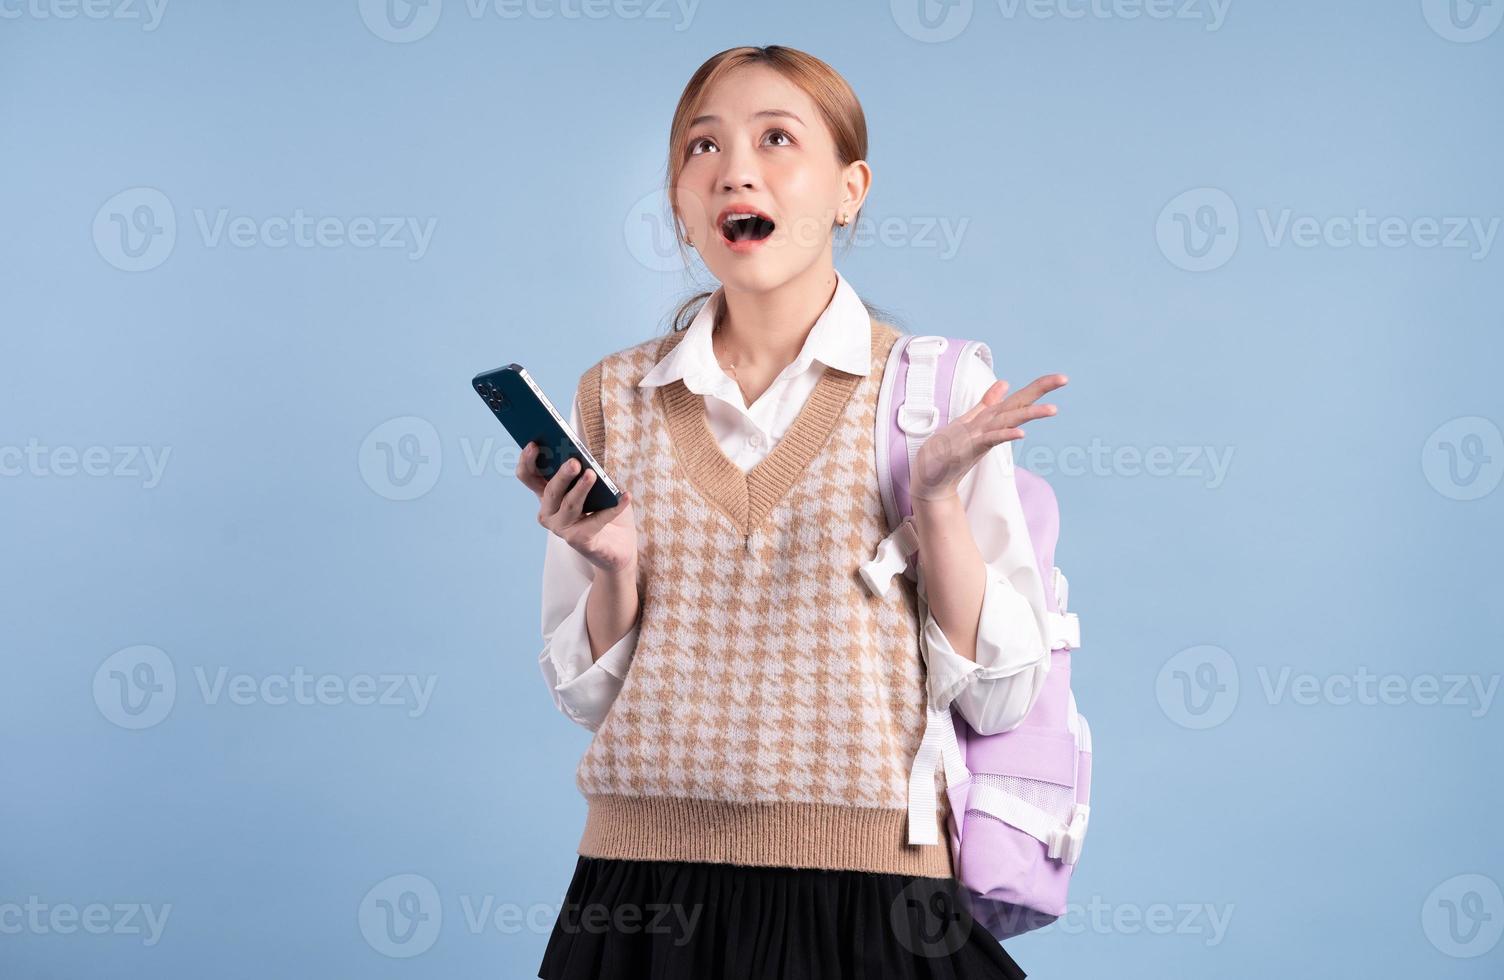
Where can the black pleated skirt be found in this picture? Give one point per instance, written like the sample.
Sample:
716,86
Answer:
682,920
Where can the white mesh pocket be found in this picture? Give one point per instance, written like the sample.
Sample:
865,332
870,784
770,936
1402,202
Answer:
1049,798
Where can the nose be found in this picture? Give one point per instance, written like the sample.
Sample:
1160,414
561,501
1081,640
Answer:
738,168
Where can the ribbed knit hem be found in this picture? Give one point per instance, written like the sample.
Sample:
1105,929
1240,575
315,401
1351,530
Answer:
784,835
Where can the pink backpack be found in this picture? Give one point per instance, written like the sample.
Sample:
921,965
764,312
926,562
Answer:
1019,800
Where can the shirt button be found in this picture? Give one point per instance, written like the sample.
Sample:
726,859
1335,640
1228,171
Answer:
755,440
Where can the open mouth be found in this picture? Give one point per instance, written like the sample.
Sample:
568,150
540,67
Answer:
746,226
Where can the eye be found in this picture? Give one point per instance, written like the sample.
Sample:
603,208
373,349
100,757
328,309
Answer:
782,133
694,144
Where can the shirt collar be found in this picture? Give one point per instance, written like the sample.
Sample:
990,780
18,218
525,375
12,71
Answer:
841,338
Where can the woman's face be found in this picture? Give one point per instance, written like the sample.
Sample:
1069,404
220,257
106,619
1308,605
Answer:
759,145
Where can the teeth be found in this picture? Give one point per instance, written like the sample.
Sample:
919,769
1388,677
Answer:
739,215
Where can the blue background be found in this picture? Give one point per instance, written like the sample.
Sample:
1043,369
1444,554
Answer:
1328,835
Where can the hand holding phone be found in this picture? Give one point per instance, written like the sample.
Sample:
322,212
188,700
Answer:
607,538
587,511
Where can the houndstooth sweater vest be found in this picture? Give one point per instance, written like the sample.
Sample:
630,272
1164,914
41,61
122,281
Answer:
773,705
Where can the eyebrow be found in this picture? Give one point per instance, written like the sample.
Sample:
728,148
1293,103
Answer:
766,112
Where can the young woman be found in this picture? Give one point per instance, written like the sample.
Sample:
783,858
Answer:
756,708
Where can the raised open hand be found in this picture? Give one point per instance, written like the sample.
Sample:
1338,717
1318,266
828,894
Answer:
952,450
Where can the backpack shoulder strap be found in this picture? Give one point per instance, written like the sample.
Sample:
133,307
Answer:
916,397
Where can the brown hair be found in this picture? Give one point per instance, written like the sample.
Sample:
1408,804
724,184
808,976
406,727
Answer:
830,92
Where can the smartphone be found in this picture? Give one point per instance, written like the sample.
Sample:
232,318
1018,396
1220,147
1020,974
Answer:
529,416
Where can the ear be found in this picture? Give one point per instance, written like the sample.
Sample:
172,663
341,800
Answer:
856,181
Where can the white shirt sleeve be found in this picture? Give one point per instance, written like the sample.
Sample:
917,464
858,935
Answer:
583,690
997,691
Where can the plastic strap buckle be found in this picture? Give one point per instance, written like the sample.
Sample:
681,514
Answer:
918,420
1065,631
1065,843
891,558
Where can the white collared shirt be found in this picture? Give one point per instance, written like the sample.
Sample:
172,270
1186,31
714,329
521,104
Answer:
993,694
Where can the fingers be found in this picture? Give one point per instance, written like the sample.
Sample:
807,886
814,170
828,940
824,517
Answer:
990,397
1017,416
554,496
587,527
993,437
527,469
1036,389
1006,424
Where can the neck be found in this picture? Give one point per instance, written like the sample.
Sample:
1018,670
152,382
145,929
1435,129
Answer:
763,332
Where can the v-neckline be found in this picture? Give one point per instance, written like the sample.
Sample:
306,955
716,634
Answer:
746,497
